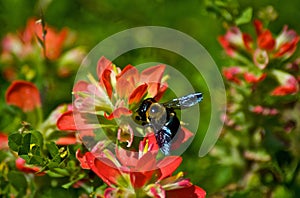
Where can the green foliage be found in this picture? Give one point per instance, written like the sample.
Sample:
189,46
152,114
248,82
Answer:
256,156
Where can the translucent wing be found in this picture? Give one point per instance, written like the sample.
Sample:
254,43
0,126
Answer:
184,101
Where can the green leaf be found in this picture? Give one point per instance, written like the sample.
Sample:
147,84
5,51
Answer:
25,147
53,149
15,141
36,160
18,181
37,138
54,162
245,17
47,192
58,172
69,184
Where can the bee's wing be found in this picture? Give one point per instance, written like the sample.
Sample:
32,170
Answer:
184,101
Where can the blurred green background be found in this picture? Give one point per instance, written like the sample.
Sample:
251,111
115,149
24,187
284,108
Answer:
93,21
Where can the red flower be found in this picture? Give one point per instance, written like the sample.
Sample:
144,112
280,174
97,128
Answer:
232,73
24,95
237,43
264,110
21,166
265,39
235,40
116,92
25,42
53,40
129,173
286,43
251,78
290,87
3,141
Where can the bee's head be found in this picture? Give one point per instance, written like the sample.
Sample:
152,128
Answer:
141,116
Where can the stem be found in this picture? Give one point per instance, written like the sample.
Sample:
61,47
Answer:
291,182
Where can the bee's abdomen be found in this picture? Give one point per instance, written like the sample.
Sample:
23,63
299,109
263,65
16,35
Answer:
167,133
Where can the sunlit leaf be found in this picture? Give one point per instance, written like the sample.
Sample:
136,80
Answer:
245,17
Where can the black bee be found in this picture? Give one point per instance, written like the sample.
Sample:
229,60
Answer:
161,117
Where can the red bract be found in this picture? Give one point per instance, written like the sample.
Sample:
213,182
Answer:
21,166
53,40
112,97
290,87
251,78
265,39
267,46
234,40
66,121
3,141
24,95
264,110
139,172
286,43
232,74
25,43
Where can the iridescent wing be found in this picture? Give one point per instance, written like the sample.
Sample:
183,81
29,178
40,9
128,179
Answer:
184,101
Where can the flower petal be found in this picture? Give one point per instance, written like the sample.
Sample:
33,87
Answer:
129,73
124,88
230,50
168,165
80,86
232,73
139,179
251,78
24,95
117,113
104,168
266,41
103,64
126,157
21,166
287,49
182,136
162,89
138,94
153,74
190,192
66,122
106,81
82,159
68,140
258,26
146,163
3,141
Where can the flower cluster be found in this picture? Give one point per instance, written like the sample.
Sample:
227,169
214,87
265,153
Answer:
36,45
258,60
138,174
113,99
263,92
133,168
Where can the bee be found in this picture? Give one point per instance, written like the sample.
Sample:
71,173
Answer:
161,117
